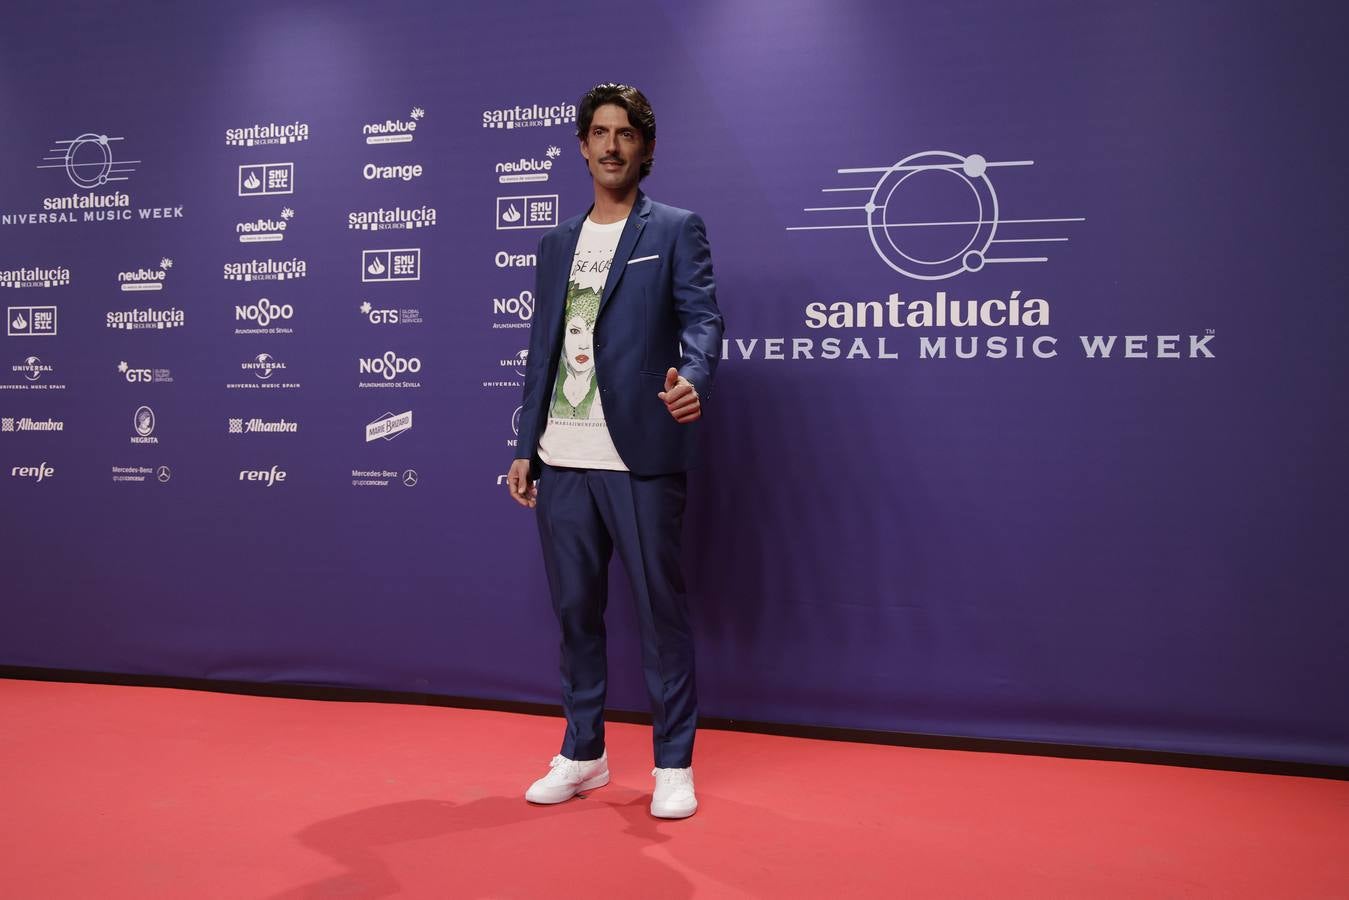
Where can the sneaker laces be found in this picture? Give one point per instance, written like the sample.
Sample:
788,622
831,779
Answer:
673,777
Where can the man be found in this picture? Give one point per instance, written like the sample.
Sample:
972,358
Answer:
623,349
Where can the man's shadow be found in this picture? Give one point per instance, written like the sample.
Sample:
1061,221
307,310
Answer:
356,840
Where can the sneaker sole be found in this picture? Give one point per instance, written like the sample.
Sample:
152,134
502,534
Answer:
590,783
674,814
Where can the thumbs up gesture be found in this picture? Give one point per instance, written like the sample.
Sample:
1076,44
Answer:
681,398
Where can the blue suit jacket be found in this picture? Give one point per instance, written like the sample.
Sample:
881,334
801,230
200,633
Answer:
649,310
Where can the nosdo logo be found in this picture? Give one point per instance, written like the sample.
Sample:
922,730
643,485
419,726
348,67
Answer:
34,277
143,426
519,310
262,366
38,473
32,368
146,319
530,116
135,375
386,219
390,365
263,135
265,270
393,131
146,279
266,477
266,179
264,312
527,168
264,230
406,172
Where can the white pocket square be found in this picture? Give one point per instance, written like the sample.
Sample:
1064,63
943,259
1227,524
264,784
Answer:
644,258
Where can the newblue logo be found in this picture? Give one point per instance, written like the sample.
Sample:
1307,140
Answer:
394,131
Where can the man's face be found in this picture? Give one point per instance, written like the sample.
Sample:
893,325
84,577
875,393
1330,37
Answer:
614,149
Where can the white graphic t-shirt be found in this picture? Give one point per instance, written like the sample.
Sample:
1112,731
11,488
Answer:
576,435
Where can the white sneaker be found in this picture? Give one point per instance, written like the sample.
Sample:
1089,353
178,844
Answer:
674,797
568,777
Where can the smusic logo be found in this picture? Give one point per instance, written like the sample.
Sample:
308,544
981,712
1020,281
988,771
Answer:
266,179
391,265
30,321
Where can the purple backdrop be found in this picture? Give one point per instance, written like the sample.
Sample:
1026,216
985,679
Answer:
1133,551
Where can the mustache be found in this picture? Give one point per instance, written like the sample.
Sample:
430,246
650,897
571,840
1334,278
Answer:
614,159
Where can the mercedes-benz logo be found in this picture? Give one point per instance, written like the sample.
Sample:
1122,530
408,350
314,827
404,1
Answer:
410,478
164,474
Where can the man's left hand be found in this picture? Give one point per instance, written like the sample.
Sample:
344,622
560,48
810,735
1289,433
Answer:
681,398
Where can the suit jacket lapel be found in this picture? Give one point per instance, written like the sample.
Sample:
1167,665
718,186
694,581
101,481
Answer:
557,310
626,242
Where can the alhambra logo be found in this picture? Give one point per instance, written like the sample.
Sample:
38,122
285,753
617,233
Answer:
35,277
394,131
265,230
146,279
531,116
267,135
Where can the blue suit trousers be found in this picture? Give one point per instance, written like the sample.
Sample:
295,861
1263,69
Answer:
583,515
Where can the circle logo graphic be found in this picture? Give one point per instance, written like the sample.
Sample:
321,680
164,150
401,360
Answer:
163,473
90,153
410,478
933,215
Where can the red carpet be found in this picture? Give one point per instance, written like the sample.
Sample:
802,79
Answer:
145,793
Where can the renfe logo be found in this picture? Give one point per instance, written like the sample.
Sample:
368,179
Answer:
269,477
38,472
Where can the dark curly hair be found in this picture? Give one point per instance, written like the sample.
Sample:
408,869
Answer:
624,95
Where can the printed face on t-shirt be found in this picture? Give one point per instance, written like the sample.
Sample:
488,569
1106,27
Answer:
578,343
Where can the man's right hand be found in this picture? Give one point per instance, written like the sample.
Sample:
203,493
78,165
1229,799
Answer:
523,491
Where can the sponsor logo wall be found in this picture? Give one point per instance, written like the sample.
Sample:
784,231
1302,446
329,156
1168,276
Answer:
301,307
